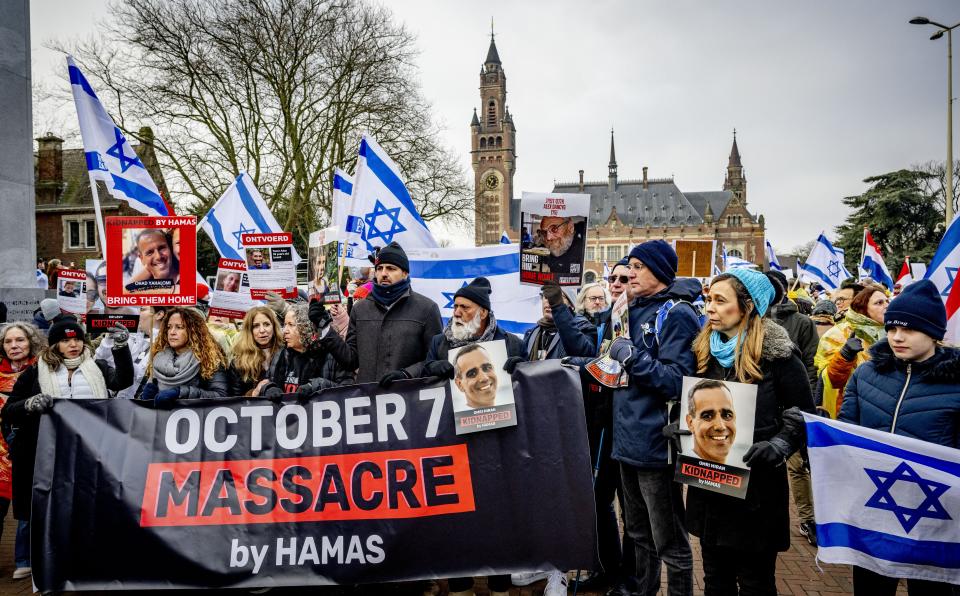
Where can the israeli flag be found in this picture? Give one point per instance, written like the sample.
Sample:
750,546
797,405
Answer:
109,155
504,239
942,271
888,503
772,258
239,210
606,270
439,272
824,265
381,208
342,196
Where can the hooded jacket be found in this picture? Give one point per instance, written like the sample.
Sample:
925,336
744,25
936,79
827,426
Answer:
919,399
802,330
640,410
761,521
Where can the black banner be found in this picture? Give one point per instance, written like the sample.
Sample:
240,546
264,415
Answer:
358,485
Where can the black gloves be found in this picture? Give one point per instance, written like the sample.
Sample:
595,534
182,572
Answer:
120,336
312,386
390,377
272,392
552,292
673,432
511,364
319,315
850,349
438,368
38,404
768,453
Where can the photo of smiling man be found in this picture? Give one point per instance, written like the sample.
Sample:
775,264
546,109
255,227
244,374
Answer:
716,424
481,390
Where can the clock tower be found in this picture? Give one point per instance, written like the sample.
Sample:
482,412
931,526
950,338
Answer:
493,153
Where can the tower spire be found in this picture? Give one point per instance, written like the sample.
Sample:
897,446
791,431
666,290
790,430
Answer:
735,153
612,166
493,57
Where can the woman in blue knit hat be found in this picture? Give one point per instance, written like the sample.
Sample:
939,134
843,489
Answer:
910,387
740,538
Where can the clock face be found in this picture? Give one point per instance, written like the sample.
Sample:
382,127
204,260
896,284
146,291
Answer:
492,182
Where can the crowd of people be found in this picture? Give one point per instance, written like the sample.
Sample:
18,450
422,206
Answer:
852,354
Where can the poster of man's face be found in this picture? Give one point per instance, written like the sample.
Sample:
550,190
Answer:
479,380
720,417
258,258
150,256
151,265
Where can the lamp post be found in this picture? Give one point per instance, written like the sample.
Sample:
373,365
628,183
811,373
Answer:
948,199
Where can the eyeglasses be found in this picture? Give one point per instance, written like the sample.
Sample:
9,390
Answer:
595,298
638,267
555,229
623,279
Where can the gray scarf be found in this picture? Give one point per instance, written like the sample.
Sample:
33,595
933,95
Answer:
175,370
486,336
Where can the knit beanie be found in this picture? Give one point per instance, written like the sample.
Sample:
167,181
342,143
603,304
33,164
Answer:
824,307
779,281
477,291
659,257
758,286
65,328
392,254
50,308
918,307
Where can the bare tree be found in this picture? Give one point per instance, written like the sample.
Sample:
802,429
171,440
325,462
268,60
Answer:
281,89
936,186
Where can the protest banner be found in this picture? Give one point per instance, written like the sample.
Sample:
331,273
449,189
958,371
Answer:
151,261
72,291
231,294
720,417
270,264
357,485
481,390
553,231
97,324
323,267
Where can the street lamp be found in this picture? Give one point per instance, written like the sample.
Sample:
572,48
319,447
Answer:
948,199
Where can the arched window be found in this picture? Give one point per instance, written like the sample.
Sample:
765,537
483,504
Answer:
489,141
499,141
483,142
492,113
734,253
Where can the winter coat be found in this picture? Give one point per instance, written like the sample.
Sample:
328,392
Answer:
761,521
832,368
555,348
291,369
803,333
220,384
381,340
919,400
23,448
640,410
242,386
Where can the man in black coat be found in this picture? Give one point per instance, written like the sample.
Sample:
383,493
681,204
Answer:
390,331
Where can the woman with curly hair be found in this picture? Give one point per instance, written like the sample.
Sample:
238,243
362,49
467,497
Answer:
65,369
303,367
186,362
256,349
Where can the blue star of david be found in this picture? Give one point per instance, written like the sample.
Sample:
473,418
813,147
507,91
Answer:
450,296
951,275
833,268
116,151
371,230
908,518
238,234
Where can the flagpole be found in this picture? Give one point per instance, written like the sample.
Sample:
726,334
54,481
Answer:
99,215
863,250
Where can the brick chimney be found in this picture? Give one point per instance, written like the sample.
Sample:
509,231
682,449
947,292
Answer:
581,180
645,186
49,174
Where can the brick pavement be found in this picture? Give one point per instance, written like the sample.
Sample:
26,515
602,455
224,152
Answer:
797,574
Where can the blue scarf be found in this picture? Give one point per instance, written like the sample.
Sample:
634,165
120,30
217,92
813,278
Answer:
387,295
724,351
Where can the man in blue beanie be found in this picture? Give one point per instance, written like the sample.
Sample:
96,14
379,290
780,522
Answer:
657,356
911,387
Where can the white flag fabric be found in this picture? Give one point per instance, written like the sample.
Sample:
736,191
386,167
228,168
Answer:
239,210
942,271
109,155
346,224
772,260
439,272
885,502
873,263
381,203
824,265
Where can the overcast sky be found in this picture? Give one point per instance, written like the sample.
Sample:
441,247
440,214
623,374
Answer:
822,93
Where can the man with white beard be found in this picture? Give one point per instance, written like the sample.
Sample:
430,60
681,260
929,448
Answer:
472,322
563,237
